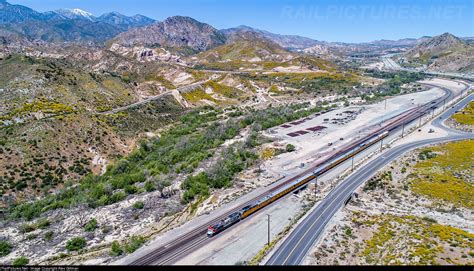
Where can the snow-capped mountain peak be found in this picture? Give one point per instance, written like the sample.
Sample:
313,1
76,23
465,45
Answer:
75,13
81,12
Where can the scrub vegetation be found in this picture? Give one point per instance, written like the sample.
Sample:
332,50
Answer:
178,150
445,175
465,116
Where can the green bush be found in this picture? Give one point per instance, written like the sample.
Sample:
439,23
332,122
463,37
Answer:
138,205
426,154
290,148
131,189
48,236
134,243
195,185
76,243
150,186
20,261
348,231
43,223
5,248
91,225
116,249
116,197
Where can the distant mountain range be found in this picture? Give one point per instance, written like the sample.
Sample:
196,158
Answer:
286,41
65,24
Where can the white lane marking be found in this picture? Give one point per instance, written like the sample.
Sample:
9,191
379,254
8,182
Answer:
350,184
323,211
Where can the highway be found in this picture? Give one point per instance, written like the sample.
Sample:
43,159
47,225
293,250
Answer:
390,64
301,239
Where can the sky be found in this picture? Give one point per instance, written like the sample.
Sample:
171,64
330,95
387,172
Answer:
328,20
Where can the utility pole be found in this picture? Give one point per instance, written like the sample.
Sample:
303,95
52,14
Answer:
268,242
385,104
315,181
432,115
381,142
444,104
419,124
403,128
352,163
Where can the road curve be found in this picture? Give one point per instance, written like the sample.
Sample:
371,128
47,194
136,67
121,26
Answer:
182,89
296,246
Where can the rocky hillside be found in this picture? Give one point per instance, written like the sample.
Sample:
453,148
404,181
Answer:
285,41
445,52
436,46
243,47
177,31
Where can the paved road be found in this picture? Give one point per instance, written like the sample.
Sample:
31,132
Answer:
390,64
298,243
156,97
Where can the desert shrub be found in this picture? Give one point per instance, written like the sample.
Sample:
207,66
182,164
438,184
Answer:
43,223
116,197
131,189
20,261
76,243
149,186
116,249
27,227
5,248
290,148
426,154
134,243
48,236
138,205
91,225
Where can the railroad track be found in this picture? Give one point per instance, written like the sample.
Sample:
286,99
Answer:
197,237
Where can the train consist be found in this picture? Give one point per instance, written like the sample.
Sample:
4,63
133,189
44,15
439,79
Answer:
298,183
